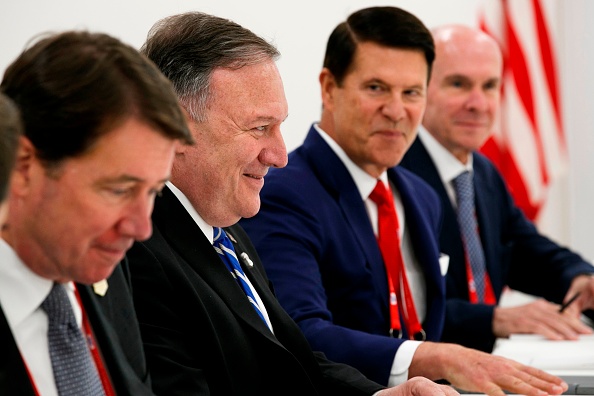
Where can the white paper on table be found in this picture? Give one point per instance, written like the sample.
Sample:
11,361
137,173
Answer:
536,351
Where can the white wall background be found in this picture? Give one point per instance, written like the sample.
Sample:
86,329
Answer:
300,30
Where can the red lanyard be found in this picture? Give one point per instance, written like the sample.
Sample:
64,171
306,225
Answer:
389,243
103,374
93,347
402,296
489,297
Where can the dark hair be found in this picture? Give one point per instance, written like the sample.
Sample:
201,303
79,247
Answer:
76,86
188,47
386,26
10,130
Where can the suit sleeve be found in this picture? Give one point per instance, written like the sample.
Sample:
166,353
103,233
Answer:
522,259
297,242
537,265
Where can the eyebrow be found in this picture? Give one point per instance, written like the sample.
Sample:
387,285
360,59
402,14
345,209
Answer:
268,119
466,78
456,77
128,179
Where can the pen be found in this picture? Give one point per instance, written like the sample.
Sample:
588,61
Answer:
566,304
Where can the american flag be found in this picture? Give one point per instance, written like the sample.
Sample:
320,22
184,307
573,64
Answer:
528,144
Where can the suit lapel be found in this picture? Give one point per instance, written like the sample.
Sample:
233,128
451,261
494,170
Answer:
186,238
419,161
419,229
338,182
14,379
108,326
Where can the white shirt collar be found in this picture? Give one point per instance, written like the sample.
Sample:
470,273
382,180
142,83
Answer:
364,181
206,228
21,290
447,165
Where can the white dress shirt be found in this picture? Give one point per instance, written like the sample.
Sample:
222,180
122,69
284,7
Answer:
21,294
365,184
208,231
448,166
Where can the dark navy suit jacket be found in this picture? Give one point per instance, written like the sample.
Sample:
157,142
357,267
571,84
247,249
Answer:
318,247
516,254
115,327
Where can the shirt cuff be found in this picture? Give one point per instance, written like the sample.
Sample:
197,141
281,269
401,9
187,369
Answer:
402,361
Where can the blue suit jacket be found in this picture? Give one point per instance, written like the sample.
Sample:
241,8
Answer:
516,254
319,250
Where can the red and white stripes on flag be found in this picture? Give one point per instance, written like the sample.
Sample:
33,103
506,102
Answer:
528,144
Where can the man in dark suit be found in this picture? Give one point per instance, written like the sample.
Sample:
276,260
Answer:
209,319
463,100
316,230
78,199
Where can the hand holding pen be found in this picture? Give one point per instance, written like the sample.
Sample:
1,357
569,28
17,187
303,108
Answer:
568,302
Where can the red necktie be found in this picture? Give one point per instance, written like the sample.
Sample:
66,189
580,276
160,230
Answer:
389,243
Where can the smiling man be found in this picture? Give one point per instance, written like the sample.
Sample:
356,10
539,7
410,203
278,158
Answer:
101,125
463,102
366,286
210,322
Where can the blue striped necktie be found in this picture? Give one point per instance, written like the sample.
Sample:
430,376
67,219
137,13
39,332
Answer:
224,248
470,231
74,370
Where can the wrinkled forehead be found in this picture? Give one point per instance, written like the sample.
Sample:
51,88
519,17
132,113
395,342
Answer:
255,90
478,59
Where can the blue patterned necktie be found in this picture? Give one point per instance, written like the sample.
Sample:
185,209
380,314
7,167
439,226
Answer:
224,248
74,370
470,231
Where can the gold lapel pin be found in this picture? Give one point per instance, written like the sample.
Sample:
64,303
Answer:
100,288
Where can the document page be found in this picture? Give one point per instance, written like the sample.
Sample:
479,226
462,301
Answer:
535,350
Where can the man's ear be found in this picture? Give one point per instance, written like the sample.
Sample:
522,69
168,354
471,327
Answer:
25,160
328,85
180,148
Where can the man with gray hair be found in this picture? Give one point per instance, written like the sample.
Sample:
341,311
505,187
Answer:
209,319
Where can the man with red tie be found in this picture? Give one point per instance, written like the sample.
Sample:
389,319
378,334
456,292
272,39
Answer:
210,322
100,129
490,242
376,306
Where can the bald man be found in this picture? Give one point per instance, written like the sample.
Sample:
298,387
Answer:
314,231
495,245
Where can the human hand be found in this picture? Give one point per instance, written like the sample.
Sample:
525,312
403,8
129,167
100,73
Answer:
584,285
480,372
419,386
539,317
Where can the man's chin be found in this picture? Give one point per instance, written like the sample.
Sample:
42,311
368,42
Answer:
96,275
251,211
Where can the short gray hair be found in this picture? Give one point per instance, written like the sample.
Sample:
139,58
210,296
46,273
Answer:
188,47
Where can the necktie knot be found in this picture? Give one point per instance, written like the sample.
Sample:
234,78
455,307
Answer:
226,251
57,307
463,186
74,370
219,236
380,194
